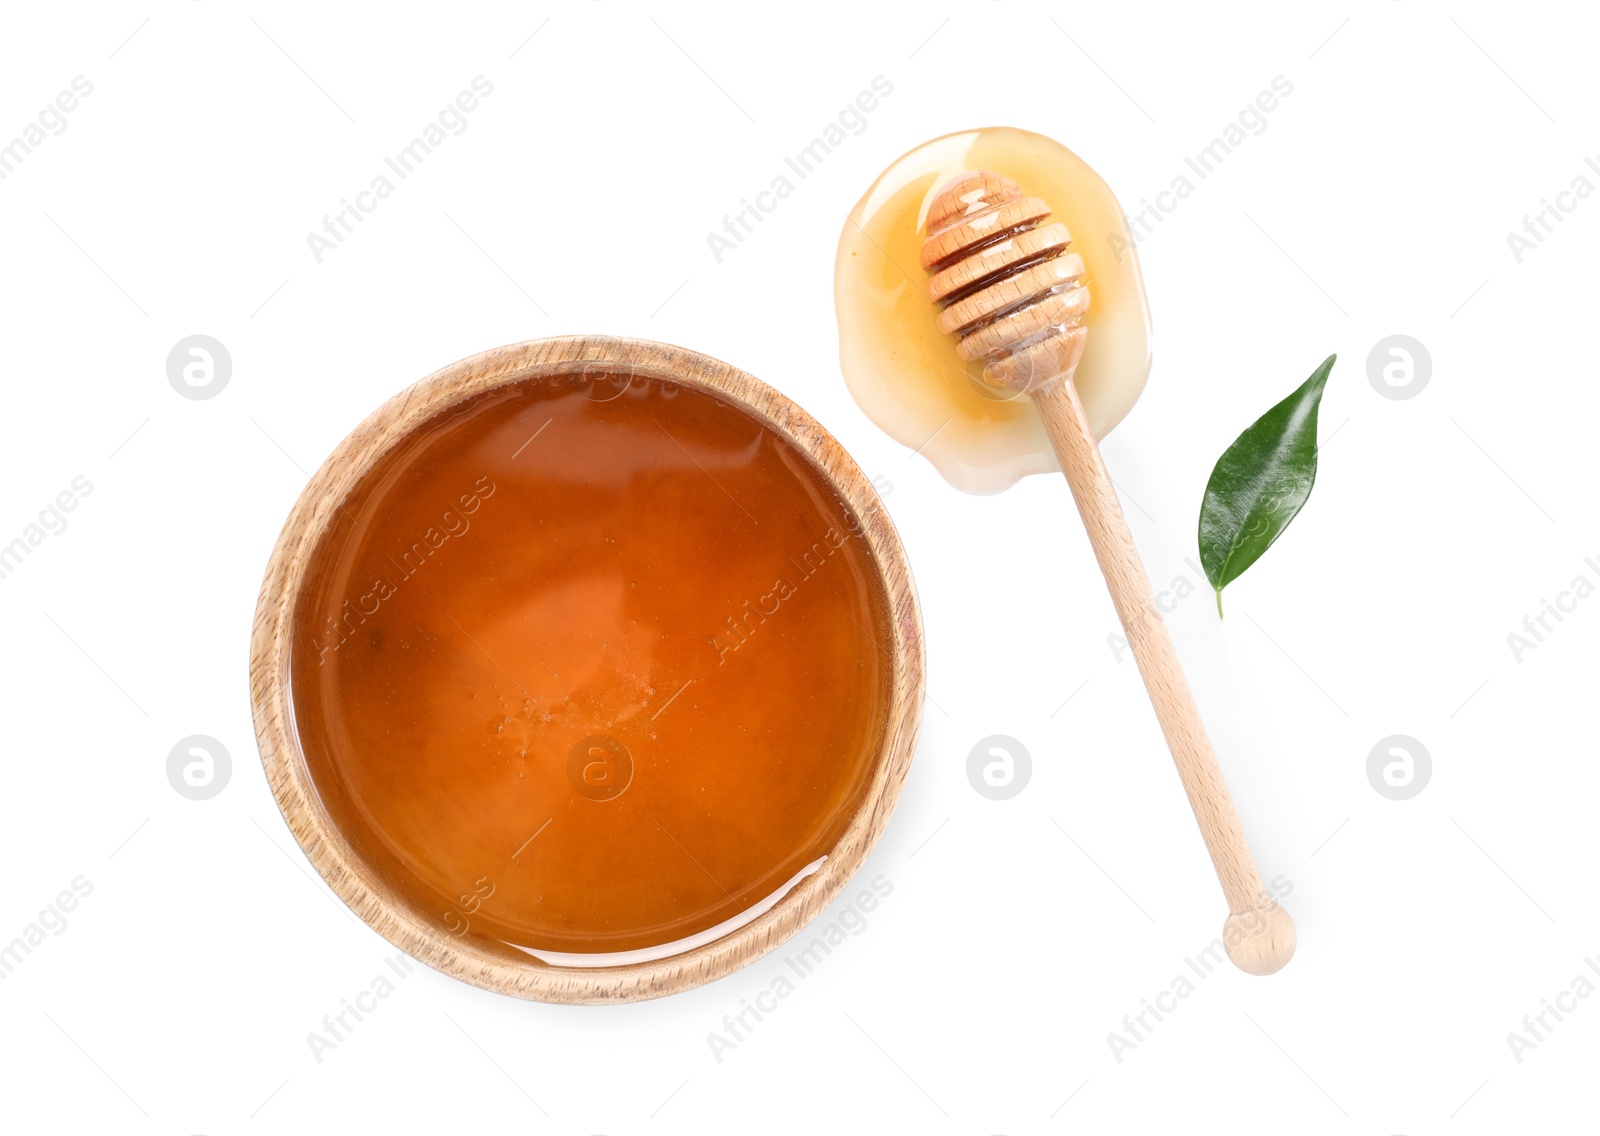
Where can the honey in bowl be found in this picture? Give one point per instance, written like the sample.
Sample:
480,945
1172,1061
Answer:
592,667
903,370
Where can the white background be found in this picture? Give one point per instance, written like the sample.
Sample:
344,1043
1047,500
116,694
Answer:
979,998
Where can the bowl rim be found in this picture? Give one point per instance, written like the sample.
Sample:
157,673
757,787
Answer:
352,879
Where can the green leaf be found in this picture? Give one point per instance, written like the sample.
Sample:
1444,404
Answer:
1259,484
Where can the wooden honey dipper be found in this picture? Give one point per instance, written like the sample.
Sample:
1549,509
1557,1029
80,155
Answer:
1015,298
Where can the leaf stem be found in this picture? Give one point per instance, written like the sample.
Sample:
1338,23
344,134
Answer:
1219,603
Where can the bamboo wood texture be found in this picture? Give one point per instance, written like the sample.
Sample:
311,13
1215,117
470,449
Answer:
505,970
1251,908
1015,297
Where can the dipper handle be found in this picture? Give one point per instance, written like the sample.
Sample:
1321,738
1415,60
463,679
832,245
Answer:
1015,298
1258,934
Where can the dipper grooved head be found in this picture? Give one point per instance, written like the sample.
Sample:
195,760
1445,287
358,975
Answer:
1011,292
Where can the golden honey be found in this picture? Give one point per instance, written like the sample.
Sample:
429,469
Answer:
903,370
591,667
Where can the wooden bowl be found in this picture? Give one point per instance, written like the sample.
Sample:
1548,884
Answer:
357,883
